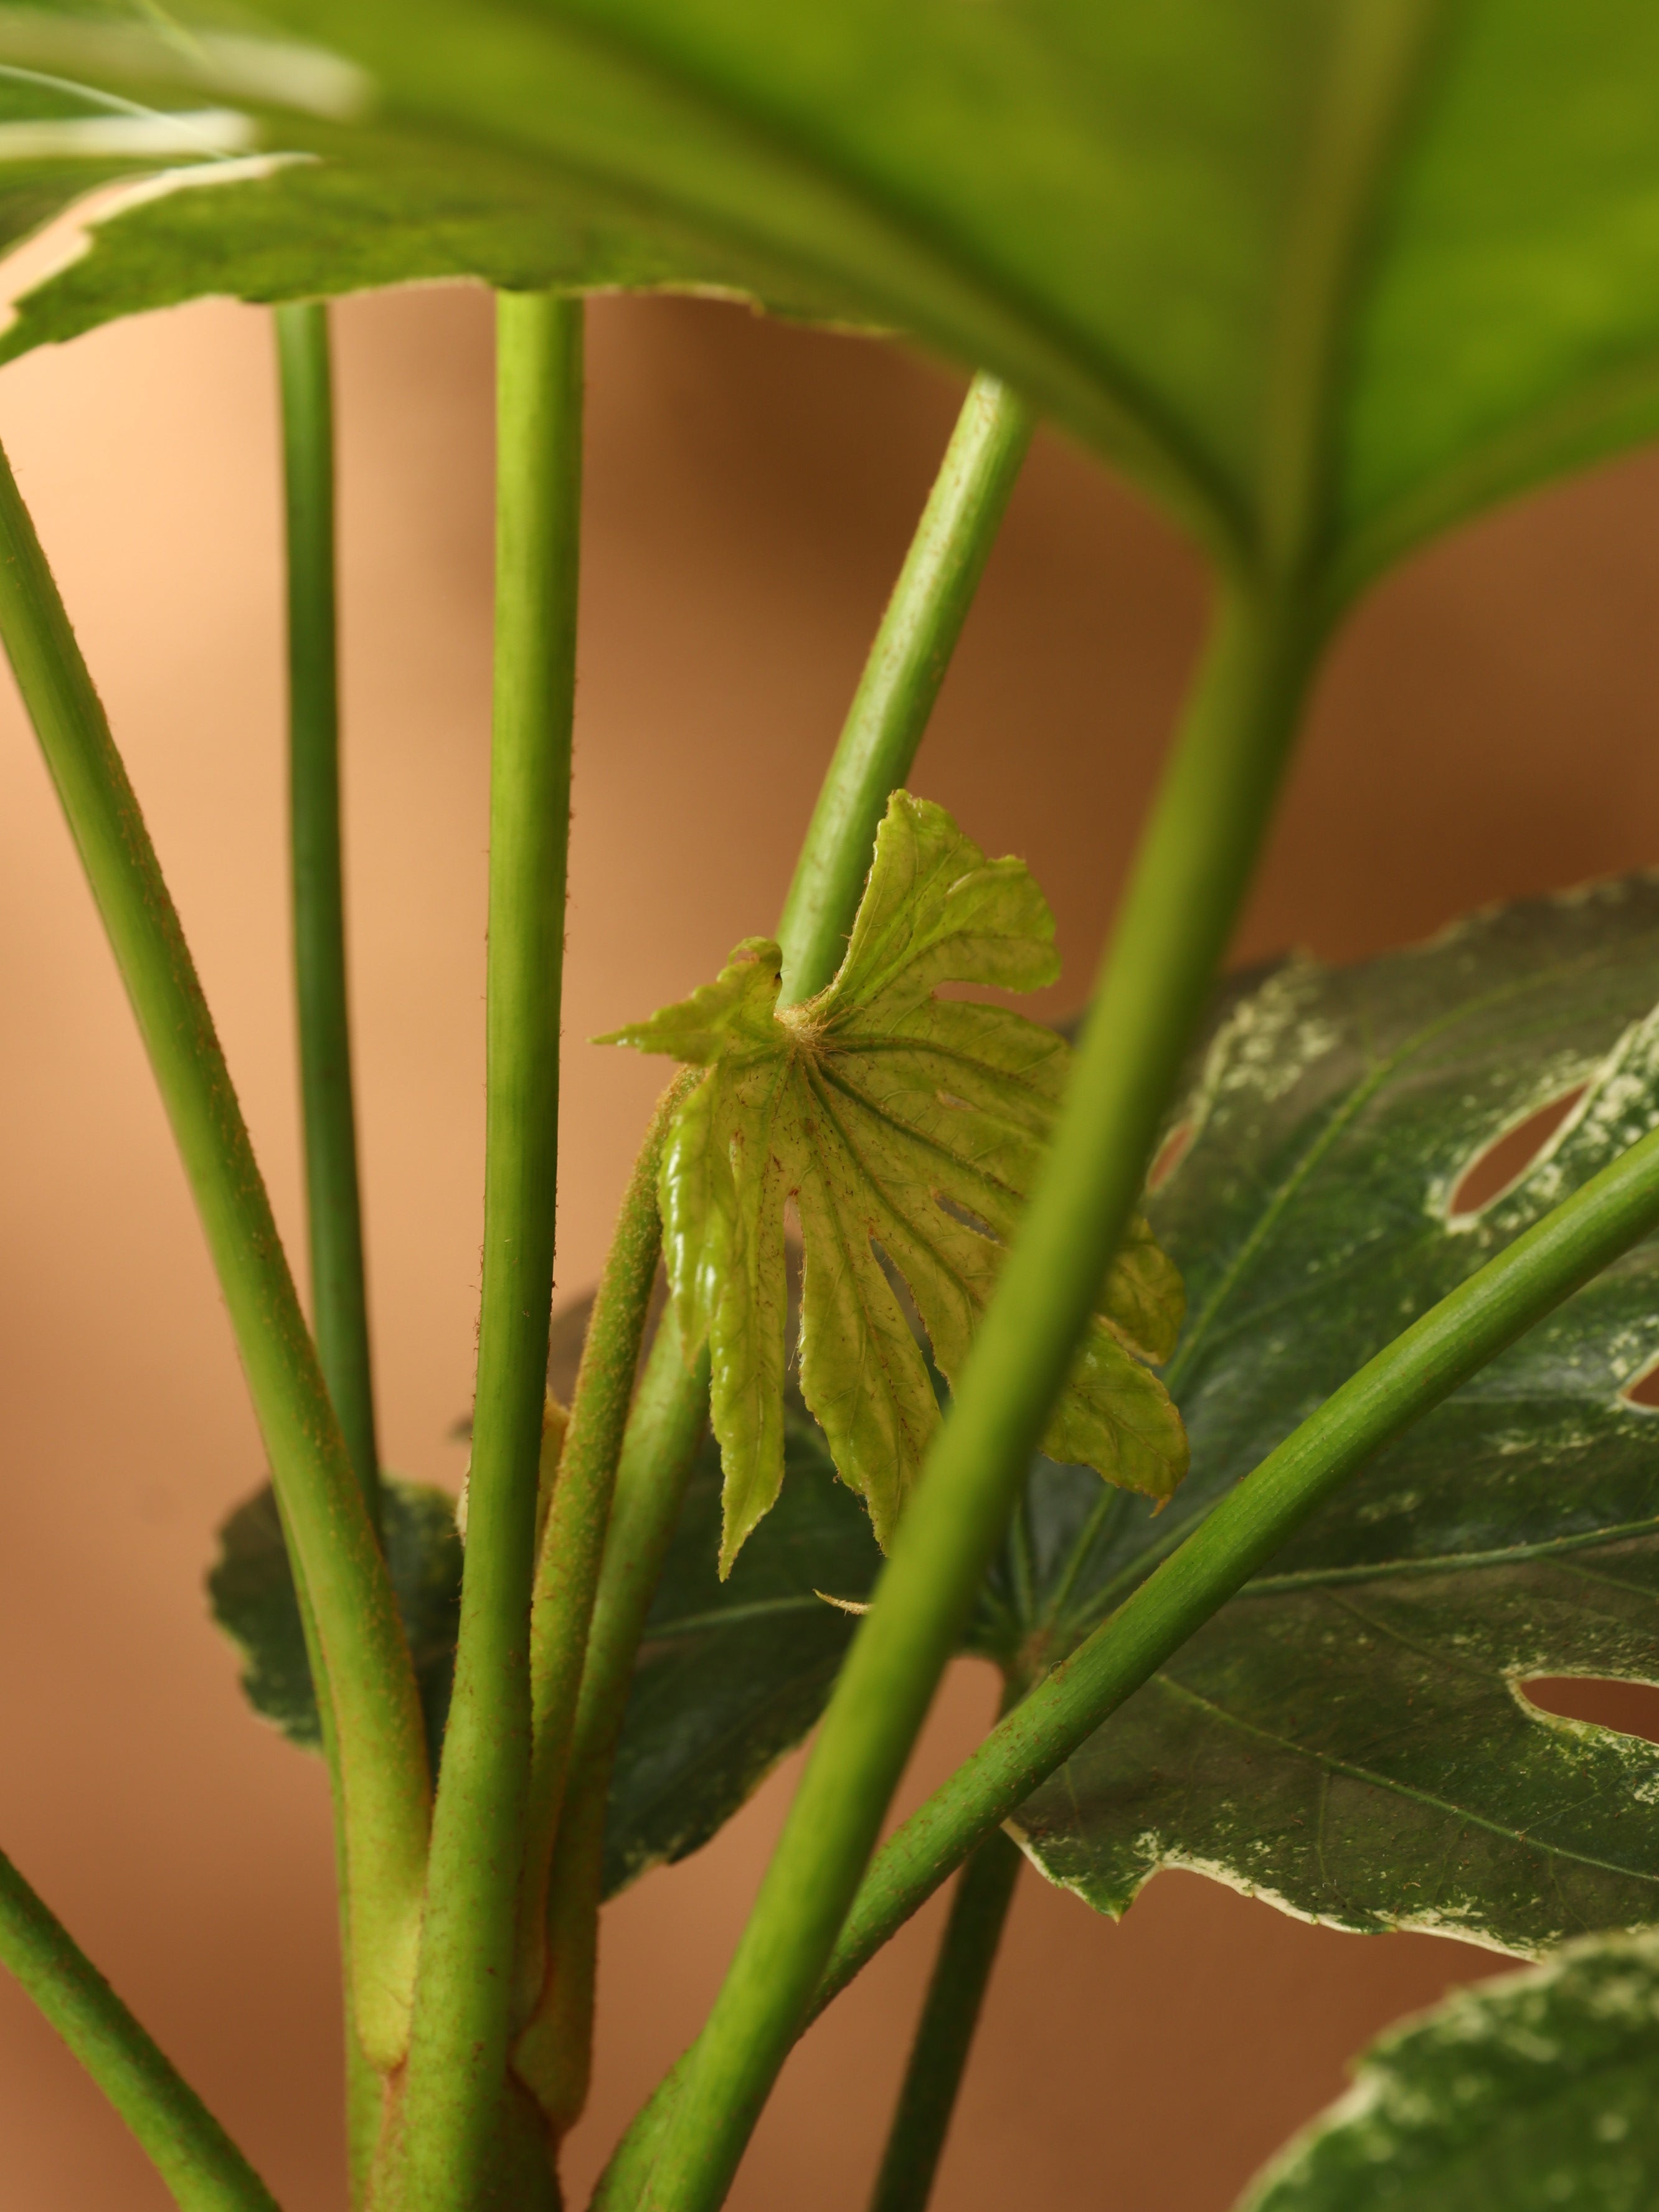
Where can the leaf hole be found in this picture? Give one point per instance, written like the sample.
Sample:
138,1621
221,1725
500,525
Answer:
1627,1708
965,1215
1643,1388
1501,1163
1170,1154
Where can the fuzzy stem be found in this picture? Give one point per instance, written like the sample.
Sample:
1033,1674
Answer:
453,2108
339,1302
884,727
573,1542
194,2157
337,1559
1177,916
338,1298
945,2033
670,1408
901,680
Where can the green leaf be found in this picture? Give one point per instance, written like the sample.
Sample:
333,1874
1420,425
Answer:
1530,2093
905,1129
1324,275
251,1591
1351,1737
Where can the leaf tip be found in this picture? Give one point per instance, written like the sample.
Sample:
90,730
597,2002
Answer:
858,1605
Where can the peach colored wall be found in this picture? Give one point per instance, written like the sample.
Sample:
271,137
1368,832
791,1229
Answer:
1486,729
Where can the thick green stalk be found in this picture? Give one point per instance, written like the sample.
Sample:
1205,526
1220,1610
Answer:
1178,914
1451,1342
338,1562
338,1301
901,680
194,2157
671,1409
453,2104
573,1542
884,727
944,2034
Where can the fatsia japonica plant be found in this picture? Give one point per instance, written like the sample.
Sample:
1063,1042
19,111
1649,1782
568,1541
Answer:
950,1298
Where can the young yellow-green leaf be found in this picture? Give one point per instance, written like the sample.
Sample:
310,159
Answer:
905,1130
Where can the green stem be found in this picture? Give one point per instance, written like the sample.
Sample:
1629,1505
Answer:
901,680
1451,1342
877,749
671,1410
194,2157
1178,914
338,1300
884,727
573,1542
944,2034
454,2091
338,1562
338,1305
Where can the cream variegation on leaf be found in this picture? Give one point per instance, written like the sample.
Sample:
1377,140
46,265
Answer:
901,1128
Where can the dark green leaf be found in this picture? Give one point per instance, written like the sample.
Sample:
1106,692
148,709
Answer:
1534,2092
731,1675
1350,1736
1368,264
250,1590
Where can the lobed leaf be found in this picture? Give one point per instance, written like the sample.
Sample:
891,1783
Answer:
1532,2091
905,1130
1351,1737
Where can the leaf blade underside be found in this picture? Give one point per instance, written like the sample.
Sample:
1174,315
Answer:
906,1130
1109,207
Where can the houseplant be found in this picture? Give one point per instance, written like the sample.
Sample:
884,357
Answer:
1324,283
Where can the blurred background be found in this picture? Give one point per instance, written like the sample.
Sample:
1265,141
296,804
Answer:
1486,729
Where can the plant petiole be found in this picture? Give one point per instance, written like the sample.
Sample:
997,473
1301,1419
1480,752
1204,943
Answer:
901,680
567,1564
945,2033
334,1216
449,2144
665,1426
196,2159
337,1565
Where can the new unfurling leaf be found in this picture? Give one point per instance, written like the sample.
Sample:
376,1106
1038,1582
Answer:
905,1130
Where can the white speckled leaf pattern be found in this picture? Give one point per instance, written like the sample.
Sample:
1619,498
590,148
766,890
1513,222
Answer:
888,1119
1533,2093
1350,1736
